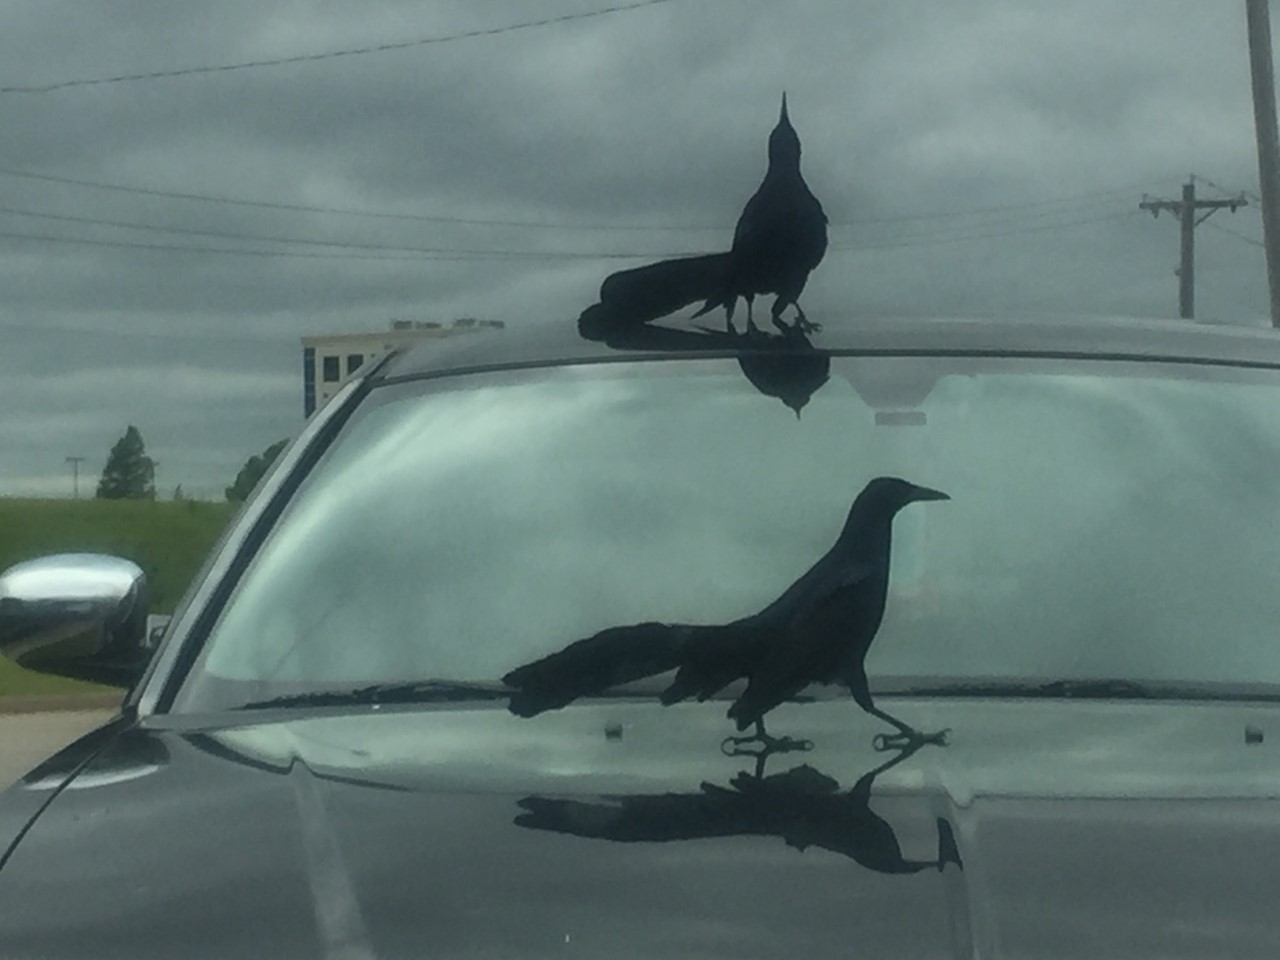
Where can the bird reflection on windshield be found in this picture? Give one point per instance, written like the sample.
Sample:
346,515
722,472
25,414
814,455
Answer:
818,631
785,366
802,806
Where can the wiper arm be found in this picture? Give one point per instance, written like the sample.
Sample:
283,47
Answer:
416,691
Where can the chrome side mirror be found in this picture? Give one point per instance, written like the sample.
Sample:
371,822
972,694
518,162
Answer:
79,615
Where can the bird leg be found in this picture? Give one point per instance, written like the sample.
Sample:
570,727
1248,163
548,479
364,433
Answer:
907,737
728,315
801,324
738,746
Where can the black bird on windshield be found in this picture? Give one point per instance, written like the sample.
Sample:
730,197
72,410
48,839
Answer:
780,238
818,631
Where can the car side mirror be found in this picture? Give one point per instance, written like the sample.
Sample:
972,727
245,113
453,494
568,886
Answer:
78,615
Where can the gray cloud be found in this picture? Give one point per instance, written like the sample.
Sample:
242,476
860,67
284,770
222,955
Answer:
655,117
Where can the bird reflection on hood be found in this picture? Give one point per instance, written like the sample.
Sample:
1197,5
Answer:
802,806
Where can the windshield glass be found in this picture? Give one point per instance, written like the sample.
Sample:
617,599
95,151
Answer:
1106,520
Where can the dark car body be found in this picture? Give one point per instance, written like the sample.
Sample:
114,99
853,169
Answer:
1063,818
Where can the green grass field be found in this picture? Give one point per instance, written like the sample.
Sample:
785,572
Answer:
168,539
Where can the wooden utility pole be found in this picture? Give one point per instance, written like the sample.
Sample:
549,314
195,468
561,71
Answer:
1187,261
1264,121
1185,210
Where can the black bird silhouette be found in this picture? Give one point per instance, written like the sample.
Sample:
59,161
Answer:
818,631
802,806
780,238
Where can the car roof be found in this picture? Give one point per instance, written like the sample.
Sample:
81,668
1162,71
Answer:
535,344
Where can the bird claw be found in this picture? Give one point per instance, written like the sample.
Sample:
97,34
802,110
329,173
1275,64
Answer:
912,740
801,325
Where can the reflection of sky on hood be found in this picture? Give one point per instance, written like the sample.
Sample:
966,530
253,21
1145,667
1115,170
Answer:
1100,525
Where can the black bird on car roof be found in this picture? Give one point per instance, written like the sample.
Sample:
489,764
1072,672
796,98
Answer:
780,238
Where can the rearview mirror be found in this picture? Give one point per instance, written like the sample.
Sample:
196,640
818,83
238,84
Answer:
79,615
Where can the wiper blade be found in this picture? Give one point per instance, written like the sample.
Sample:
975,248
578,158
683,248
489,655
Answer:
1095,689
416,691
1055,689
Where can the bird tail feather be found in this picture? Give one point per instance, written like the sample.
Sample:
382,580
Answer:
644,294
591,666
750,706
713,658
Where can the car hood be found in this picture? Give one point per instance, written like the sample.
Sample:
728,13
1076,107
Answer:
622,829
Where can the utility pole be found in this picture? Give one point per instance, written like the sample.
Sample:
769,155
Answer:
1185,210
1264,122
75,474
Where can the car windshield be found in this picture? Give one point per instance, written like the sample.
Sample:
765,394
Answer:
1107,520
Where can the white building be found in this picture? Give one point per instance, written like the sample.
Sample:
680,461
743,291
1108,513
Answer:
327,361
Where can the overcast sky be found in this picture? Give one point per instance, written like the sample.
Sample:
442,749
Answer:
974,157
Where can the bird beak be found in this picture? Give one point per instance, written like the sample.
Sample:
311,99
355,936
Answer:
924,493
783,115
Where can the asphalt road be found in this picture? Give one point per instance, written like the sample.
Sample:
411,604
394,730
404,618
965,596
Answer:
28,738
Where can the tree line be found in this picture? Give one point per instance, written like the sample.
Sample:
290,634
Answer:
129,474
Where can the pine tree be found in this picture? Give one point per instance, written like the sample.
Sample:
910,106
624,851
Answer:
129,474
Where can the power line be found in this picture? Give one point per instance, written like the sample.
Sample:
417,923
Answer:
1236,234
1217,186
426,255
246,252
976,211
540,224
330,54
444,254
930,241
966,230
348,245
1246,193
343,211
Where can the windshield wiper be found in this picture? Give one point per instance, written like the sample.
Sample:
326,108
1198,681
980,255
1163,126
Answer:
416,691
1104,689
421,691
1092,689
